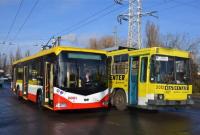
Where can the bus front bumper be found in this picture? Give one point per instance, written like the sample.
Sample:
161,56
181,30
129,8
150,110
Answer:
170,102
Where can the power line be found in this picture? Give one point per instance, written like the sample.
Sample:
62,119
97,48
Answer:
88,21
160,4
95,19
26,19
187,4
175,6
14,20
85,19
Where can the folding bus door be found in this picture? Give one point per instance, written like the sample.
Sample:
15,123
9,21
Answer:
25,82
48,84
133,81
143,80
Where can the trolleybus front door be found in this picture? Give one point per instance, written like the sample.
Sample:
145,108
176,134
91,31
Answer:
133,81
48,85
25,81
143,80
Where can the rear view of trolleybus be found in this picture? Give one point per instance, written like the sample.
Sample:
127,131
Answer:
63,78
150,78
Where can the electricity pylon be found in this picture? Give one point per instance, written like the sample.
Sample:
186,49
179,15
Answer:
134,18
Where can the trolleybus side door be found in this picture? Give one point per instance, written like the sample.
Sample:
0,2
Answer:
142,90
25,81
133,81
48,84
14,79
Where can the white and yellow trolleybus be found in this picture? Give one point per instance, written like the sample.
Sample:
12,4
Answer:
63,78
149,78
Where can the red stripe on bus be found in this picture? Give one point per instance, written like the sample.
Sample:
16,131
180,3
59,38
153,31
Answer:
32,97
20,93
70,105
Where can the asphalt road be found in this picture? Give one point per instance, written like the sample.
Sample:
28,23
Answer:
23,118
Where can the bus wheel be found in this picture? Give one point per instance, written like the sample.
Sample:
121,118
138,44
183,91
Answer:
39,100
120,100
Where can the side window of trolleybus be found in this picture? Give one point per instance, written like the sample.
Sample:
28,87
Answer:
19,73
35,73
182,70
143,73
120,65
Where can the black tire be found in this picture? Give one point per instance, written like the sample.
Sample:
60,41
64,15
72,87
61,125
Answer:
39,100
120,100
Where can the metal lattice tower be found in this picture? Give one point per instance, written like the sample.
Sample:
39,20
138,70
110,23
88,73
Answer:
132,25
131,17
139,23
134,18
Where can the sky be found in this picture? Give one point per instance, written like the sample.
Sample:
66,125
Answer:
70,18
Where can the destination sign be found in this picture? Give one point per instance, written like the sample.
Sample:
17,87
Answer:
172,87
161,58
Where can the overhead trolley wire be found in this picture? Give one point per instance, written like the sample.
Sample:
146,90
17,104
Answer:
86,19
93,20
26,19
14,20
96,16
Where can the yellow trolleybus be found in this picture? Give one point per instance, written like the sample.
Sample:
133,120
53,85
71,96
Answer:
63,78
149,78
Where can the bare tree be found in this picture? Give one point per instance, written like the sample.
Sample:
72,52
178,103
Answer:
93,43
104,42
152,35
1,61
5,62
11,58
18,54
27,53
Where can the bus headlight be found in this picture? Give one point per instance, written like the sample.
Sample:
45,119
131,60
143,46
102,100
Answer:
105,103
189,96
59,105
159,96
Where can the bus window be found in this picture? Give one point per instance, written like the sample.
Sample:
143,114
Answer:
19,73
166,69
143,73
35,73
109,61
82,74
120,65
182,70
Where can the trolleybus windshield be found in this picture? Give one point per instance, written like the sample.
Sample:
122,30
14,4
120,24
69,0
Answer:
82,73
167,69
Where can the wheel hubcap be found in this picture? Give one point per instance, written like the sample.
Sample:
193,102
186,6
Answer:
119,100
